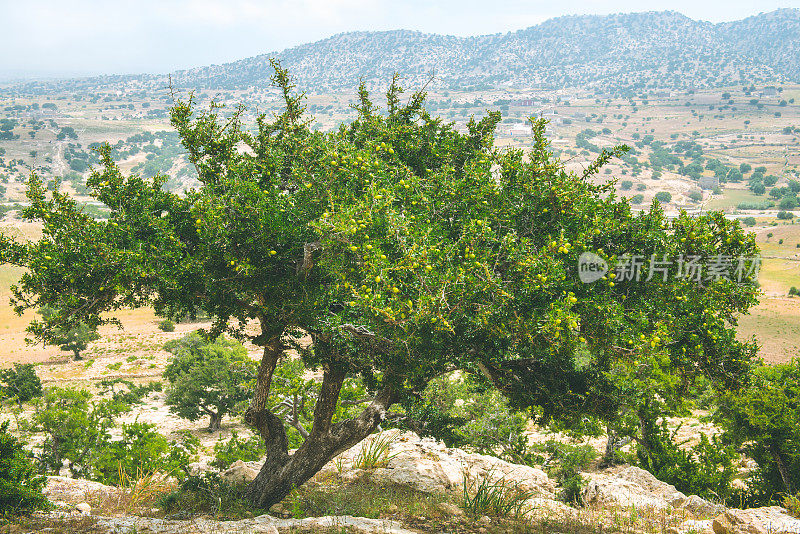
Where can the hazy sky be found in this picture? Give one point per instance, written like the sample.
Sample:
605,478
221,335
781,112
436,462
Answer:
123,36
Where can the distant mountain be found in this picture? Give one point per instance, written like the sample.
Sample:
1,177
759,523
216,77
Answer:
638,50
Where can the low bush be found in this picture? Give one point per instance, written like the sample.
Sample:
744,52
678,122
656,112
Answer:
166,325
20,487
705,469
236,448
564,463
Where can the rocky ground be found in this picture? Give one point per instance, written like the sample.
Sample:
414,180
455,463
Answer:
621,499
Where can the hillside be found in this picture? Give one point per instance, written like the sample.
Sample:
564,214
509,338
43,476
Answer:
637,50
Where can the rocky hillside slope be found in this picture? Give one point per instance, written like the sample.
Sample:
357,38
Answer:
637,50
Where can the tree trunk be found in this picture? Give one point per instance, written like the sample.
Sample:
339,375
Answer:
782,469
281,473
77,354
215,422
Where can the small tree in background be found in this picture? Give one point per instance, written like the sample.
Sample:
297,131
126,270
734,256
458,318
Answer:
74,339
207,378
20,383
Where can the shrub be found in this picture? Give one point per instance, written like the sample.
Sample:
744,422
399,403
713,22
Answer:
705,470
785,215
765,419
497,498
143,451
208,494
374,451
20,487
793,291
626,185
749,221
564,463
20,383
637,199
246,450
166,325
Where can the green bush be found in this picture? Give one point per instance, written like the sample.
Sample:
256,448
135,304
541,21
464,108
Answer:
705,470
236,448
166,325
564,463
20,487
764,419
143,451
208,494
663,196
785,215
20,383
749,221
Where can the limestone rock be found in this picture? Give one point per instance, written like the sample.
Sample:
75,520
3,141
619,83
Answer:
238,473
76,490
84,508
429,466
701,507
264,524
631,487
766,520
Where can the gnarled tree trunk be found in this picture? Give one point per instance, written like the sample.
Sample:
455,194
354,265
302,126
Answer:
281,472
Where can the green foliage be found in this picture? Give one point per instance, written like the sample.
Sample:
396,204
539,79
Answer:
792,504
166,325
207,378
74,426
374,451
564,463
208,494
785,215
765,419
705,469
497,498
664,196
236,448
125,392
626,185
20,383
20,487
467,413
749,221
142,451
405,249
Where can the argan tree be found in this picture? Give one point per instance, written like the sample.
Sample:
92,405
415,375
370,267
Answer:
207,379
405,249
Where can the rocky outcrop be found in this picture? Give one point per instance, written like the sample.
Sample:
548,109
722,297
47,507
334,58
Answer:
74,491
766,520
431,467
239,472
631,487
